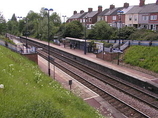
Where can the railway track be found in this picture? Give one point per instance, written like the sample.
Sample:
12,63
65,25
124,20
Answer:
124,108
125,87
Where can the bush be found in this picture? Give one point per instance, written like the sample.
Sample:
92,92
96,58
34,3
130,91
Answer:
151,37
144,34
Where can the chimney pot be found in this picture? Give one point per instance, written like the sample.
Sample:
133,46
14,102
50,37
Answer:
90,9
126,5
99,8
156,2
81,11
75,12
112,6
142,3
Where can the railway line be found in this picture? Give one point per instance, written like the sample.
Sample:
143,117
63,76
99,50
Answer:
89,77
128,110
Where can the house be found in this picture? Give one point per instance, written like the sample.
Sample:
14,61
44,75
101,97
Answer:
86,18
148,16
143,16
113,17
139,16
101,16
110,15
91,17
77,16
132,17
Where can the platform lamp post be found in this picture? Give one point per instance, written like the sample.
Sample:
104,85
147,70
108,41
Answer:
19,17
48,10
26,32
64,29
120,12
85,45
64,23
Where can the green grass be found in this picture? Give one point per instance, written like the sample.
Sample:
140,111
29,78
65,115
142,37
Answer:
29,93
6,39
143,56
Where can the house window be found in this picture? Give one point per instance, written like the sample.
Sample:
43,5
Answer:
83,20
87,20
153,17
145,18
130,17
106,19
114,18
135,18
80,20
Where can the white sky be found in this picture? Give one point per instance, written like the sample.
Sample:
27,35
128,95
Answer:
62,7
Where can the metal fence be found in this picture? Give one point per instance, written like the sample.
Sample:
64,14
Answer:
134,42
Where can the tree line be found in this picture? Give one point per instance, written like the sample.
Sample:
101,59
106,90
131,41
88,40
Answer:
36,25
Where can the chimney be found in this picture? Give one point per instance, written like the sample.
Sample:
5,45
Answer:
142,3
99,9
81,11
90,9
156,2
75,12
126,5
112,6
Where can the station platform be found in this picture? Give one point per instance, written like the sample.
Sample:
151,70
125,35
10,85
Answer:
86,94
131,72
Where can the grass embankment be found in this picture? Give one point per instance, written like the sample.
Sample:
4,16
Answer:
29,93
6,39
143,56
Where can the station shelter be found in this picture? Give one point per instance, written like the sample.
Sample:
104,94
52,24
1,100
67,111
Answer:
77,43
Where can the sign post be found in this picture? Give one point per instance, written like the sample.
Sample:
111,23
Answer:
70,83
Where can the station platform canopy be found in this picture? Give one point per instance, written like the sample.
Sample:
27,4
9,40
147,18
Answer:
76,39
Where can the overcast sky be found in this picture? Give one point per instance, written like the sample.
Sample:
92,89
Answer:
62,7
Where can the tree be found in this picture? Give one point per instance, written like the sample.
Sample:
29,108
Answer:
144,34
12,27
101,30
36,24
74,29
62,30
56,19
125,32
21,26
2,24
13,18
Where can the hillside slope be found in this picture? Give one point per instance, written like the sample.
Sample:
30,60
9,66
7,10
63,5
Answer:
142,56
29,93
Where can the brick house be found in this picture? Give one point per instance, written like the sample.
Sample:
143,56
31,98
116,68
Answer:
139,16
112,17
90,17
115,17
77,16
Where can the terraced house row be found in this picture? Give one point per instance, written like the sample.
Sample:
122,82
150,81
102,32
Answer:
139,16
